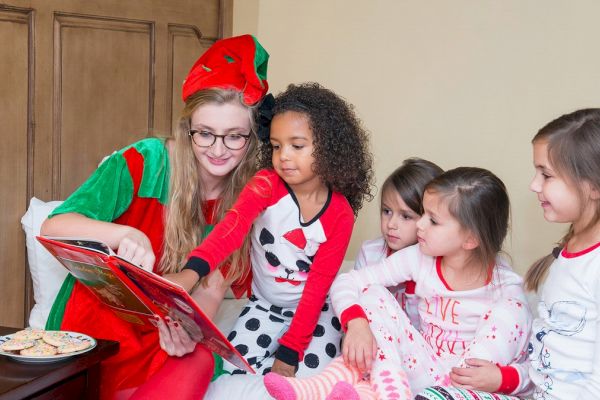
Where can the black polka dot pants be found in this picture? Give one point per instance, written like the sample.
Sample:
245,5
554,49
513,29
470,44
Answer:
261,324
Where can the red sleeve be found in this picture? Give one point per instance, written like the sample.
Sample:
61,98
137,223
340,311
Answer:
228,235
337,224
410,287
351,313
510,379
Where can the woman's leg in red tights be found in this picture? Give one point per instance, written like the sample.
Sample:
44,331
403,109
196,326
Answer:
184,377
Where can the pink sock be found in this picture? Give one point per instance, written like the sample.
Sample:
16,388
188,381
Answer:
315,387
365,391
343,391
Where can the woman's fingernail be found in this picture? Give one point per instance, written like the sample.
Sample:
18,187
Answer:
176,325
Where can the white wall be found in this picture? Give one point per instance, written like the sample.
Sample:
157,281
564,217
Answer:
462,83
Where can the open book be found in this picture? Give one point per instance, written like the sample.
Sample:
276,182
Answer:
136,295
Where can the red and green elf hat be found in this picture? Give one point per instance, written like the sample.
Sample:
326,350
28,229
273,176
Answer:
238,63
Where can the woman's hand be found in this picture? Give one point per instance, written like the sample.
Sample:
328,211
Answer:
131,244
359,347
173,339
135,247
283,369
479,375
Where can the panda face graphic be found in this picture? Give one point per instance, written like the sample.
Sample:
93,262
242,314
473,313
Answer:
285,273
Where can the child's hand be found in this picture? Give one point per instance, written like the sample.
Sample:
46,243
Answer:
283,369
480,375
359,346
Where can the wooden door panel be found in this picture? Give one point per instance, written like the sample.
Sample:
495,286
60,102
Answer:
103,91
14,159
80,79
185,44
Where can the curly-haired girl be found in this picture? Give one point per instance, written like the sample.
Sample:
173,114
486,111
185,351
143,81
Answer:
317,172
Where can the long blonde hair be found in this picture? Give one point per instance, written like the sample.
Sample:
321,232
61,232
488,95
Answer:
185,224
574,152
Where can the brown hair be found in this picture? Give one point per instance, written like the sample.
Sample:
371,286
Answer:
185,225
478,200
409,181
343,159
573,142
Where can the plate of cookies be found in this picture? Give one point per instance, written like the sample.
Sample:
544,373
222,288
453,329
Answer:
39,346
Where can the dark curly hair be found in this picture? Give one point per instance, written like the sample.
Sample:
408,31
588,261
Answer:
342,157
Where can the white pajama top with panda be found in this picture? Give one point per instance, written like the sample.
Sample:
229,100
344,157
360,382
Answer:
294,262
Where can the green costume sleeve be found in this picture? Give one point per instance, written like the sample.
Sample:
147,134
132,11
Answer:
108,192
105,195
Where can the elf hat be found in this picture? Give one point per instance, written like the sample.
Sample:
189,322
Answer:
238,63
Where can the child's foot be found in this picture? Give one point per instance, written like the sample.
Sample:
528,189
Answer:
279,387
343,391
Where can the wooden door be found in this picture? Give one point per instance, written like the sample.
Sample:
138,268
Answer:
80,79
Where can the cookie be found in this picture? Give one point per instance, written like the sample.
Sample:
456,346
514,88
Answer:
28,334
56,338
16,344
41,349
72,345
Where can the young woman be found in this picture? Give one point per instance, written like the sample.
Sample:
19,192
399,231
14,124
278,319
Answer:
153,202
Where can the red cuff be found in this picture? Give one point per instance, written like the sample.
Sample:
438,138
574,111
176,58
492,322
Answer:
510,379
351,313
409,287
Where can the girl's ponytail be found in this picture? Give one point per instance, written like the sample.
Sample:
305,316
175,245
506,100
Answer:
536,274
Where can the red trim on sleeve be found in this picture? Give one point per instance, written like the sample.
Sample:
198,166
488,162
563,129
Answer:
510,379
135,163
410,287
351,313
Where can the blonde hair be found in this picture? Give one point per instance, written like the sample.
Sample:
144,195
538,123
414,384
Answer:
574,152
185,225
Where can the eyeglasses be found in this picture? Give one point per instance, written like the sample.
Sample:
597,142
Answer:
234,141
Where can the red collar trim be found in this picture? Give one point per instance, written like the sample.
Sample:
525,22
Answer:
438,267
388,251
565,253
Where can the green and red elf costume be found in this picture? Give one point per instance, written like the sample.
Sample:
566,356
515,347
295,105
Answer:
131,188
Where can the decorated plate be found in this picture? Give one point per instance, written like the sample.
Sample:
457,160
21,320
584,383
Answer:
15,355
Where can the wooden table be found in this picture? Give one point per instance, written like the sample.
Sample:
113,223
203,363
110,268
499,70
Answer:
77,377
